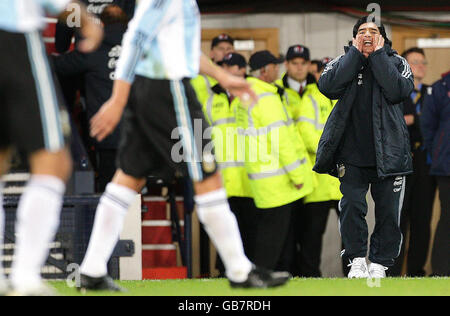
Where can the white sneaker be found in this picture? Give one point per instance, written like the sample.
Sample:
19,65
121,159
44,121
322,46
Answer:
359,269
377,271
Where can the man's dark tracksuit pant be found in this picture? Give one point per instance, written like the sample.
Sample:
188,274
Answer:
388,194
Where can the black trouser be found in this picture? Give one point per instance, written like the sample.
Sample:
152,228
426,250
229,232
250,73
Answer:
106,167
416,215
245,211
388,195
440,257
274,246
311,222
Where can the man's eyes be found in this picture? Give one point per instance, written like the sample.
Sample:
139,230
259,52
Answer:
372,32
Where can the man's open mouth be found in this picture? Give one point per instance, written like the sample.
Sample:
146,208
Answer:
367,43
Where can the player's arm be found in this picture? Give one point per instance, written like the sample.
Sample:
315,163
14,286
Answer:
109,115
141,30
237,86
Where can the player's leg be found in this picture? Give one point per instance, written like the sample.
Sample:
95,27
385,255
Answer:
120,193
222,227
38,215
42,135
210,196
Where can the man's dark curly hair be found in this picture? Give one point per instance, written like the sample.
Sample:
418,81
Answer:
113,14
381,28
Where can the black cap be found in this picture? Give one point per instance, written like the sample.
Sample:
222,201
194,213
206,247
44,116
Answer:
235,59
298,51
262,59
222,38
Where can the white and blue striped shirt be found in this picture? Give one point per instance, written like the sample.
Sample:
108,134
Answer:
162,42
22,16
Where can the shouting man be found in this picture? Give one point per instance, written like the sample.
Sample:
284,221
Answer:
365,142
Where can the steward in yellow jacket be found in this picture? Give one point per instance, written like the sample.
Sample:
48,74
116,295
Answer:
276,161
310,110
219,109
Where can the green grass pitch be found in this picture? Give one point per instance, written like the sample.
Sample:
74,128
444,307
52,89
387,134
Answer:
296,287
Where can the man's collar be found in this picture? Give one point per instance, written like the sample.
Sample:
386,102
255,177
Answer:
295,85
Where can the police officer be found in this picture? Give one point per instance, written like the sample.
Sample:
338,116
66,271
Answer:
221,46
276,162
310,110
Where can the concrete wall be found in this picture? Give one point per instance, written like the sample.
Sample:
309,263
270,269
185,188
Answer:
324,34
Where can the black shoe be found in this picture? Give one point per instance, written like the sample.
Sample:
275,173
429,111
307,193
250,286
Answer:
105,283
262,278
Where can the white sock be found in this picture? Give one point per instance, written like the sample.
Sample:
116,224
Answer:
221,225
108,225
2,228
37,222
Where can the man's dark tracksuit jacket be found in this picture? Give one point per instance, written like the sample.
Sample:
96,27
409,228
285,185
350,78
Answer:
98,70
391,82
64,34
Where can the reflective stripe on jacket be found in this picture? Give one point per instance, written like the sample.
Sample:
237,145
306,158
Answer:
221,116
275,156
310,112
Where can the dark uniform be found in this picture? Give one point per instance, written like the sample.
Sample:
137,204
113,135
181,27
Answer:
419,196
365,143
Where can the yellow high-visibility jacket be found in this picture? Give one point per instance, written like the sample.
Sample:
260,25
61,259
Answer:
220,114
275,156
310,113
202,85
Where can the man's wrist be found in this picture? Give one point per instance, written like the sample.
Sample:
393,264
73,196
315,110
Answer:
378,51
